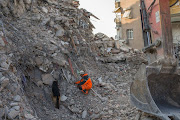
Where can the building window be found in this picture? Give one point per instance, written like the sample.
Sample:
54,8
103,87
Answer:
129,33
157,17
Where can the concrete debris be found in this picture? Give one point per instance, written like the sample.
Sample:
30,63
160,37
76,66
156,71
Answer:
96,116
84,114
100,80
47,79
40,83
58,59
16,108
76,3
39,60
14,104
125,49
113,59
17,98
2,44
75,110
1,112
147,119
36,17
27,1
107,85
106,47
59,33
100,36
1,103
29,116
3,3
1,75
13,113
45,21
45,10
138,116
5,65
3,83
63,98
117,45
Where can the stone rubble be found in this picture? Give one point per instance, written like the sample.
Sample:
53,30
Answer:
46,40
17,98
84,114
63,98
3,82
13,113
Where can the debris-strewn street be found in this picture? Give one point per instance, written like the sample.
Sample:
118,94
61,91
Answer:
46,40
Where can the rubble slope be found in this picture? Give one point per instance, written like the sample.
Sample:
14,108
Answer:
46,40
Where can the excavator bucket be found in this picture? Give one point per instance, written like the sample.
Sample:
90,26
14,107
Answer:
156,90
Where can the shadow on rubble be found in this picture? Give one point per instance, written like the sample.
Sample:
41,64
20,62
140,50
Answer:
39,92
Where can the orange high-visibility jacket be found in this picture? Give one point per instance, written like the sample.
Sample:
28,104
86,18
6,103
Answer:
85,82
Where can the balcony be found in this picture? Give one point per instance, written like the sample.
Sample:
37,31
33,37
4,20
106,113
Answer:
175,17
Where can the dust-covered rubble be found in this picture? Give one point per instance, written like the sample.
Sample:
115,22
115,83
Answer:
46,40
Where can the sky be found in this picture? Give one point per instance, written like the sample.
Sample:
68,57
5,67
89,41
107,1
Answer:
103,9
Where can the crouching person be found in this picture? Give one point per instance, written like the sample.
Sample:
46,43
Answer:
85,84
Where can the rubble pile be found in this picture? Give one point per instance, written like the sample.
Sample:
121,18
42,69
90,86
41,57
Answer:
46,40
111,51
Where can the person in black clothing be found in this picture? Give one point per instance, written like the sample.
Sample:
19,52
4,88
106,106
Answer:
56,94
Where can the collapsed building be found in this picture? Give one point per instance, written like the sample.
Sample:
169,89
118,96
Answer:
46,40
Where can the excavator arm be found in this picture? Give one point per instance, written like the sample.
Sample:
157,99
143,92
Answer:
156,88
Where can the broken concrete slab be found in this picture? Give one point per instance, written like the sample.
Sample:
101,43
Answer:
117,44
3,83
59,60
12,114
45,21
29,116
97,116
63,98
17,108
1,112
3,3
14,104
124,48
5,65
27,1
47,79
39,60
2,44
1,104
100,35
1,75
84,114
36,17
59,32
17,98
44,9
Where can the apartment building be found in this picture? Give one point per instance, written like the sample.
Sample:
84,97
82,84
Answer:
129,26
175,19
128,23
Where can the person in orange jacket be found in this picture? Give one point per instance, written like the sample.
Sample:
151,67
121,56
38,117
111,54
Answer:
85,84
